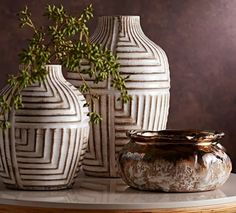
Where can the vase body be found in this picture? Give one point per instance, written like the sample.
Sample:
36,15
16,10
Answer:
48,137
147,67
174,161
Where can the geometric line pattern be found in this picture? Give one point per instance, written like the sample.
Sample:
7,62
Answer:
97,156
45,147
147,66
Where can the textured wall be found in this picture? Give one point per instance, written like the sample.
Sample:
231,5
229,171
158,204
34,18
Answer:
199,38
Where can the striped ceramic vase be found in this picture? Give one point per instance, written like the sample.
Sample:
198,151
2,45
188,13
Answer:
148,84
48,137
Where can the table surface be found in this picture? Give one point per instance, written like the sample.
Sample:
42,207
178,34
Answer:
103,193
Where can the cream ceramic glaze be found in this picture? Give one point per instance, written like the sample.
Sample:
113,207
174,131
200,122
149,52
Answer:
44,148
147,66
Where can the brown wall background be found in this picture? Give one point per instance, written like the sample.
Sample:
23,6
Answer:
199,38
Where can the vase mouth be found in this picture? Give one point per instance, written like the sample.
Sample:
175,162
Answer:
53,68
118,16
191,137
53,65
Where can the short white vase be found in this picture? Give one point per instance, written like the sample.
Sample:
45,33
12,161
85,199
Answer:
48,137
147,66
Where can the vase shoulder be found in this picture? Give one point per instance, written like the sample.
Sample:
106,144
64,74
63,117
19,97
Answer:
52,100
144,61
126,31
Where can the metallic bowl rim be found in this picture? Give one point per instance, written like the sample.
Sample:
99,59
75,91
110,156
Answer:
176,136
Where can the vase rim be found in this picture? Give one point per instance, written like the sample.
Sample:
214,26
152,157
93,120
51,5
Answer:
53,65
169,136
118,16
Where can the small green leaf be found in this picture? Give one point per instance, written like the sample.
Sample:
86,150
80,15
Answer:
5,125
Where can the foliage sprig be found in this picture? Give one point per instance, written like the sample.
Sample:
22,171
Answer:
65,41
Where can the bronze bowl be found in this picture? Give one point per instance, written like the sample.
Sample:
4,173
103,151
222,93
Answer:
174,160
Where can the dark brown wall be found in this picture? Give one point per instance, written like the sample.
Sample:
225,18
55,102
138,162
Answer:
199,38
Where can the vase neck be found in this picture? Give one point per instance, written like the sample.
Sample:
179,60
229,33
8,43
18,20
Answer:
54,71
112,29
122,22
121,19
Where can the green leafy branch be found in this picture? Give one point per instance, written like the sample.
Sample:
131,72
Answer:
65,40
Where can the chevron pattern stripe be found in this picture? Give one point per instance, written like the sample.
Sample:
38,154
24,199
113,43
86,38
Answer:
147,66
48,140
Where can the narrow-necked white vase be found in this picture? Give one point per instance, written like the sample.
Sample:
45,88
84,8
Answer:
149,83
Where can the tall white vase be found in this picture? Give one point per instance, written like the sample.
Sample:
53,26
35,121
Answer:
148,84
48,137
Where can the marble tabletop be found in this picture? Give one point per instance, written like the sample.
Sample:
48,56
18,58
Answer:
103,193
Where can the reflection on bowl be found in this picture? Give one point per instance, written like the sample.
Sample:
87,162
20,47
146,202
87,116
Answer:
174,161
